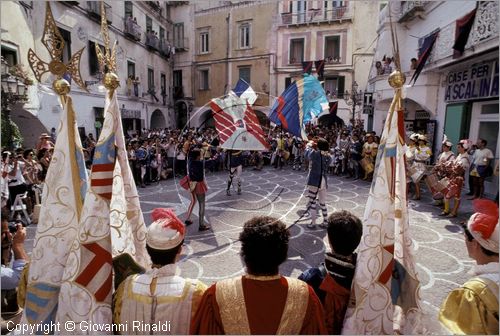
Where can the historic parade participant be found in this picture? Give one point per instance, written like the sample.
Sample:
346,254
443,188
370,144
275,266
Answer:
235,169
197,187
422,155
369,155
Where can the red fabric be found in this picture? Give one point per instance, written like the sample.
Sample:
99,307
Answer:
201,188
265,302
335,304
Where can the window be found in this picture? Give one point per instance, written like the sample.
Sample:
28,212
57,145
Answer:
288,82
149,23
66,55
335,85
338,3
179,35
129,9
296,51
204,80
332,47
204,40
245,35
130,69
10,56
151,80
177,78
162,33
163,88
245,73
93,62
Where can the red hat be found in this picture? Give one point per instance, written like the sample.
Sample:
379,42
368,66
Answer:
166,232
483,225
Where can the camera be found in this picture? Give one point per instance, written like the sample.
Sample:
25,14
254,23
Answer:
13,226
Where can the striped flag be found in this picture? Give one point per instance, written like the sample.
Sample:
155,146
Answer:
386,289
111,225
62,200
236,121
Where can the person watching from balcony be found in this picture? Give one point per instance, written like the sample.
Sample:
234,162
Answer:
413,63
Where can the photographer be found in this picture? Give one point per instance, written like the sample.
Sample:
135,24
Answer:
17,183
13,238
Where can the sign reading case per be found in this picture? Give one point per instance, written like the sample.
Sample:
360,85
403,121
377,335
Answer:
480,80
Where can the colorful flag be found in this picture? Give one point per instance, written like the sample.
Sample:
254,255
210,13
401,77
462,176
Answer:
333,107
245,91
236,121
307,67
385,297
424,52
111,225
62,201
463,29
298,104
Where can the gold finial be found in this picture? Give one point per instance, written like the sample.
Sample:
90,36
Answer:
107,62
397,79
54,42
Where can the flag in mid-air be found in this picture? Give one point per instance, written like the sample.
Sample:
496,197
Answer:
386,289
299,104
236,121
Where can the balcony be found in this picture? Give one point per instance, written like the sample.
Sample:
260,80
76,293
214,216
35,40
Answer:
94,10
181,44
155,5
152,41
178,92
411,9
165,47
132,29
316,16
71,3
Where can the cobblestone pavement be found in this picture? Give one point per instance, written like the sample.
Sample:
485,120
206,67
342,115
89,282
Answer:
213,255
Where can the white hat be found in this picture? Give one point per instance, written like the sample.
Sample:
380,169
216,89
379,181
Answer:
414,137
465,143
422,137
166,232
483,225
447,142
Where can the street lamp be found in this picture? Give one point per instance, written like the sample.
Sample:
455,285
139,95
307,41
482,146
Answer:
13,91
354,98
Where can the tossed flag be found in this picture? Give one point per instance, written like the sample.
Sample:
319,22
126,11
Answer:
303,100
236,121
424,53
62,200
333,106
464,27
385,297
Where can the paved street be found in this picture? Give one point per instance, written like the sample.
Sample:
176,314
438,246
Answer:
213,255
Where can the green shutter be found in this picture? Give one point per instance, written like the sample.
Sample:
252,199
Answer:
456,124
340,87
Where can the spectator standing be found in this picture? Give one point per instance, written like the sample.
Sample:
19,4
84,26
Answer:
261,301
480,168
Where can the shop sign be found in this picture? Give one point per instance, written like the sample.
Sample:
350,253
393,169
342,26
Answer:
130,114
478,81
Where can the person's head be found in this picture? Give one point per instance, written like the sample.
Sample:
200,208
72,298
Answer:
344,232
422,139
28,154
6,156
165,237
481,143
413,138
378,64
369,137
323,144
264,245
195,154
413,63
463,146
482,233
44,137
446,146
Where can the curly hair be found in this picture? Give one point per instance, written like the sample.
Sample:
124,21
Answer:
264,245
344,232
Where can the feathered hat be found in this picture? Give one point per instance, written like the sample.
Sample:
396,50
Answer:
167,231
483,224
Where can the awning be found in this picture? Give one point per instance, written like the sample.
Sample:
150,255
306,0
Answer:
30,126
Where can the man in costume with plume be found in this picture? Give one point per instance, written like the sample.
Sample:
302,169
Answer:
160,295
473,308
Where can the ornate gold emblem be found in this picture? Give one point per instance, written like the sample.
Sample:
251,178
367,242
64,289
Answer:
107,61
54,42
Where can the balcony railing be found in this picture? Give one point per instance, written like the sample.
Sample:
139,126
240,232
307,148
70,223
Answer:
181,44
155,5
71,3
410,9
132,29
94,10
316,16
152,41
165,47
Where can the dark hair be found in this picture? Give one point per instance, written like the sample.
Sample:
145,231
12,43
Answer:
264,245
323,144
194,153
27,152
413,59
484,142
41,153
164,257
344,232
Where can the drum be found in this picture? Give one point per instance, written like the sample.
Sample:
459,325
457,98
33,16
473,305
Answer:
416,173
437,187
